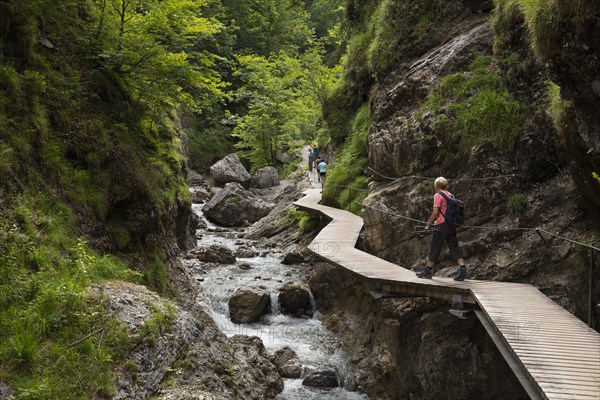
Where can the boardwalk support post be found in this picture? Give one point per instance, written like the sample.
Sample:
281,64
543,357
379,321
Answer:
590,288
458,308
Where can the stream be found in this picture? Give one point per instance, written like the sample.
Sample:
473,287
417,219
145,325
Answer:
316,347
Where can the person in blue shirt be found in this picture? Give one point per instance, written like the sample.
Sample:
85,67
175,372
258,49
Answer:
322,168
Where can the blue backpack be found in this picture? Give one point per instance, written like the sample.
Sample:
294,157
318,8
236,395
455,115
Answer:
455,210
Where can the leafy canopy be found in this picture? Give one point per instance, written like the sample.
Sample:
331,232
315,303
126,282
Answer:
284,96
148,44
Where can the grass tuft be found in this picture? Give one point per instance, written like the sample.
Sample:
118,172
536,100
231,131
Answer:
475,107
516,203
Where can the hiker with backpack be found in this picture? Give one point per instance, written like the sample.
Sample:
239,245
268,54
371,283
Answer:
315,152
446,215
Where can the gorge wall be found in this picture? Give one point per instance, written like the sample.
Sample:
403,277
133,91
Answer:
467,95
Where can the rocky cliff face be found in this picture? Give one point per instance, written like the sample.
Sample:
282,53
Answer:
522,185
572,58
530,179
411,348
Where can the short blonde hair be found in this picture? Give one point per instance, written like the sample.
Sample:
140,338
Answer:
440,183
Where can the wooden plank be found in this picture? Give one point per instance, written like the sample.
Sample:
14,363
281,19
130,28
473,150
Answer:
575,391
575,375
556,360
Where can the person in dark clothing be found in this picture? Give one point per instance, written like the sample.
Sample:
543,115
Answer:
444,233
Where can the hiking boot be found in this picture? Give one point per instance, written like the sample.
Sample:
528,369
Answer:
463,273
425,272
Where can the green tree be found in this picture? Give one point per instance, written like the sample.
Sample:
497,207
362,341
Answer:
268,26
285,96
147,44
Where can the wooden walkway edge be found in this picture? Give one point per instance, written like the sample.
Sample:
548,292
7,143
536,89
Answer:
554,355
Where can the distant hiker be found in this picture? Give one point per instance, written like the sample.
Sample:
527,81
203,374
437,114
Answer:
317,161
322,167
315,152
311,158
444,232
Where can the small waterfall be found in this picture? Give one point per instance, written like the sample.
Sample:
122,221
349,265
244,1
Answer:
316,347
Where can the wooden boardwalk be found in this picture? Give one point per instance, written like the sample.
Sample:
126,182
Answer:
552,353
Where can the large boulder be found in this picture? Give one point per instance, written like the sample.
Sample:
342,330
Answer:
257,364
245,252
235,206
265,177
215,254
194,178
293,257
295,300
284,158
323,379
230,169
248,305
287,362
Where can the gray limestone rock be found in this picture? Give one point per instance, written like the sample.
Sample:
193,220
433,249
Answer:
230,169
5,391
248,305
294,299
324,379
235,206
257,365
265,177
245,252
214,253
151,358
287,362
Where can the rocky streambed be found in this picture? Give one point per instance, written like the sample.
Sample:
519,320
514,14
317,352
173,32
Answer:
235,275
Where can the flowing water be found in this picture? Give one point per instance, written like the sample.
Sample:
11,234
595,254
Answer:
316,347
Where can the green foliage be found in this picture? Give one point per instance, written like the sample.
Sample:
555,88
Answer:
326,19
284,95
146,43
208,145
346,185
475,107
516,203
156,275
350,91
291,168
547,20
7,157
45,309
557,107
396,28
269,26
305,221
